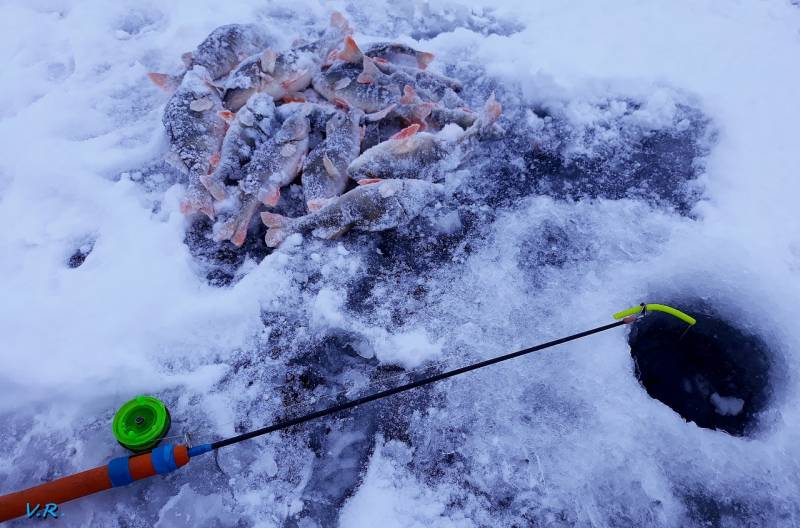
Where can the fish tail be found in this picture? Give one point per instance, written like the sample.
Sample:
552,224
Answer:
487,117
197,199
278,228
168,83
423,59
351,51
243,222
340,22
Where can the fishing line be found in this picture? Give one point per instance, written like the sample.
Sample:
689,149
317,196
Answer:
166,458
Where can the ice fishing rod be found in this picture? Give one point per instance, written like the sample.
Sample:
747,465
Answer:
148,415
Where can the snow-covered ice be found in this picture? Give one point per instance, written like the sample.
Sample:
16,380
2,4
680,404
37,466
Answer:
650,153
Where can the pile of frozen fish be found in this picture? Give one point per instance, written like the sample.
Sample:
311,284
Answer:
245,120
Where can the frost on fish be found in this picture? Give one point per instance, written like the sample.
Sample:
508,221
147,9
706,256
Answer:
225,47
399,54
375,206
414,95
195,131
343,84
249,128
287,73
325,173
276,162
414,154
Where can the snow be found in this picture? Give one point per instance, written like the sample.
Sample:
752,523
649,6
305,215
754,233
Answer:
567,437
727,405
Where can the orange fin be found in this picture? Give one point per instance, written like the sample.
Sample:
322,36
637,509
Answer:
215,188
331,58
269,198
290,84
409,95
424,58
294,98
339,21
369,73
274,219
380,114
275,236
423,110
492,109
197,204
168,83
317,204
240,235
369,181
407,132
224,231
267,60
227,115
351,52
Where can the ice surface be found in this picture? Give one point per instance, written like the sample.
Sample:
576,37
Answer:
650,152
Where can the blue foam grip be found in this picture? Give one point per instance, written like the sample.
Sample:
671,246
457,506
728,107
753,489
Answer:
163,458
199,450
119,473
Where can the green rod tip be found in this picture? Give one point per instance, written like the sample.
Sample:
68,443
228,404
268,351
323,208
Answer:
658,308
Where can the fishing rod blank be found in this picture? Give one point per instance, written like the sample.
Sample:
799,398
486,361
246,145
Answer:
167,458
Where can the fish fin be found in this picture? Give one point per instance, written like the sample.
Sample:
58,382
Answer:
187,59
341,103
168,83
380,114
241,224
274,219
267,60
369,73
342,83
422,111
491,111
294,98
202,104
227,115
269,198
409,95
369,181
331,233
275,236
424,58
317,204
214,187
407,132
330,58
290,84
330,168
240,234
223,231
340,22
197,201
278,228
351,52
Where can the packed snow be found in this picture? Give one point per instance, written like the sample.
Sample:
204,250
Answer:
649,153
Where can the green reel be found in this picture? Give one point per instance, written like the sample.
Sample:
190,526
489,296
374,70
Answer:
141,423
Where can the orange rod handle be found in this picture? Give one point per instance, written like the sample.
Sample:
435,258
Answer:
119,472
